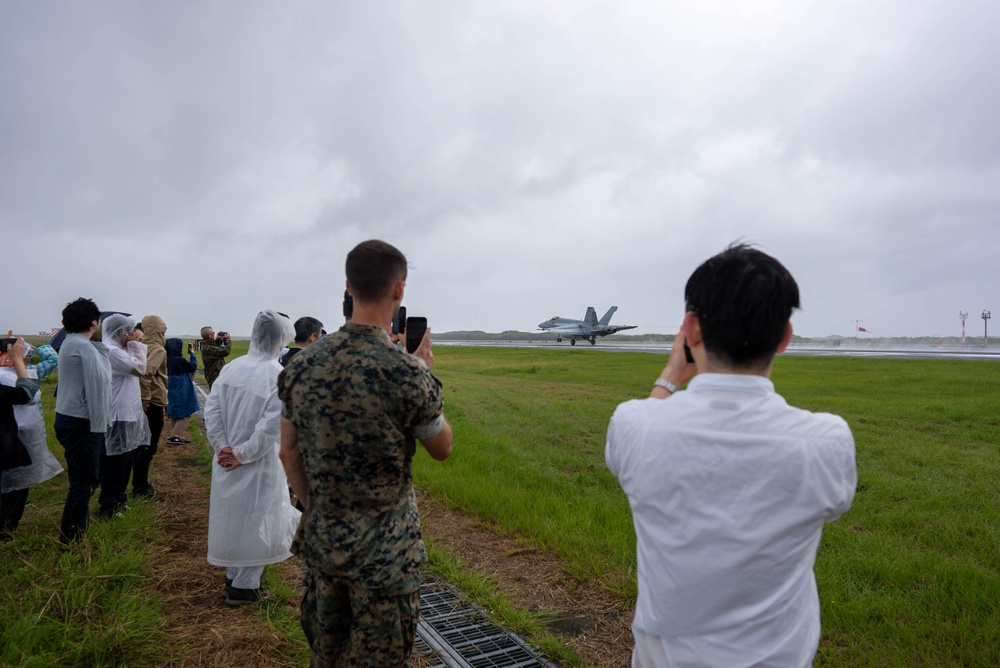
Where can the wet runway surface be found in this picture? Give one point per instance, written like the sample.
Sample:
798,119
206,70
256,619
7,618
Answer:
886,352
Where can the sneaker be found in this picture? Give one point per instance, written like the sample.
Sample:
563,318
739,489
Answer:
173,440
237,597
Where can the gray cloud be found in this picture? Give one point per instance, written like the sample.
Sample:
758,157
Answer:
204,161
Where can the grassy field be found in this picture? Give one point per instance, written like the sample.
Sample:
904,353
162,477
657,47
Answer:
909,576
97,604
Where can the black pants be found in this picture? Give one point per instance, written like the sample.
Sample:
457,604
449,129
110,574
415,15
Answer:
115,470
83,456
11,509
144,453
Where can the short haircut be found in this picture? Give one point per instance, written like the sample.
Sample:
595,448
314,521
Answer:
79,315
204,329
373,267
743,299
306,327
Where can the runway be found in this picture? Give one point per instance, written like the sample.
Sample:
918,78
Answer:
884,352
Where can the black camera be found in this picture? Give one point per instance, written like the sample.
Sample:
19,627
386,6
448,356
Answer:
399,321
348,305
6,343
221,335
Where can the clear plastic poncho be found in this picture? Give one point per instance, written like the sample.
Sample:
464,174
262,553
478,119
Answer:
31,431
129,426
251,521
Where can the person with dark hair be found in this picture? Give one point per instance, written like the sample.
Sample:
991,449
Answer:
307,330
83,411
17,453
214,350
182,398
153,387
729,485
16,482
353,407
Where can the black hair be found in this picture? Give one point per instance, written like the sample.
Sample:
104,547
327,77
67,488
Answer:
743,299
306,327
79,315
373,267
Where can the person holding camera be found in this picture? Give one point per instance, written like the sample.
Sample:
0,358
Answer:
729,485
83,411
354,406
129,425
214,350
153,388
18,466
182,397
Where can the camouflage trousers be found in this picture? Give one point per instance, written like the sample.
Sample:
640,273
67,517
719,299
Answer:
350,627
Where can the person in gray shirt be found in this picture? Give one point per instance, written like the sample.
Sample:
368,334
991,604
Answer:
83,411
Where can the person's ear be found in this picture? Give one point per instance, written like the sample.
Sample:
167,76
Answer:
692,330
397,290
786,338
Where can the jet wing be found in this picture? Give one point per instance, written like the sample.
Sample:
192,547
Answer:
611,329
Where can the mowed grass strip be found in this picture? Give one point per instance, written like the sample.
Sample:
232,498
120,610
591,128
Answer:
909,576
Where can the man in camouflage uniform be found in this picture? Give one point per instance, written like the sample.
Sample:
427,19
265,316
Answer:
354,405
213,353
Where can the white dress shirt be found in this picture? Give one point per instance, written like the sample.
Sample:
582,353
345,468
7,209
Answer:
729,488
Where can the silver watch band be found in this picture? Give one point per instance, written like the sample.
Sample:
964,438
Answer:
666,385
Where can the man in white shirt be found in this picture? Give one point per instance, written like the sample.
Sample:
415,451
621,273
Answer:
729,485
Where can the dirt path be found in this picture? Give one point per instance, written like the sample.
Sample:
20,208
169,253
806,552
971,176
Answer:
586,617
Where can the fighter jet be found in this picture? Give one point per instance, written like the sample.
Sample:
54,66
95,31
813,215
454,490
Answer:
588,329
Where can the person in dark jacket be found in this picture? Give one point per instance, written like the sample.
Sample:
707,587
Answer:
182,398
12,505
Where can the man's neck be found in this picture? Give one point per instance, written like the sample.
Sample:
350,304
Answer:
378,314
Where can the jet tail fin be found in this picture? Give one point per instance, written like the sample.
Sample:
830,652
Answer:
591,317
606,320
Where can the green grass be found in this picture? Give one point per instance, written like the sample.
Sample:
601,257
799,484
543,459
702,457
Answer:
96,604
909,576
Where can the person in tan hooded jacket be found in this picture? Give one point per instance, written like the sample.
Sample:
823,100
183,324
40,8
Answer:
153,385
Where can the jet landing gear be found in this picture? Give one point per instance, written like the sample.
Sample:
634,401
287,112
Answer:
572,342
558,339
593,340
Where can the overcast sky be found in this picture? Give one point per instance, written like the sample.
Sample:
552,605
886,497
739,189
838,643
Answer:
204,160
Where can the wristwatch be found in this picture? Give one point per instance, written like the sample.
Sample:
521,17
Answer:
666,385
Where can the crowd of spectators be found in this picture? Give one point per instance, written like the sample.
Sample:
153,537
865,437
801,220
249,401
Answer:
313,444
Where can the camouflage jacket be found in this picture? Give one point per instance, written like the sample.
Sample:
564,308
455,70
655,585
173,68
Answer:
213,357
358,404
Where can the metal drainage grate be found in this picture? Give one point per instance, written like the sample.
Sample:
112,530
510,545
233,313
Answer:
456,634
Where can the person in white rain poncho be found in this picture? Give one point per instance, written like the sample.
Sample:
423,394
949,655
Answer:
251,521
129,425
15,482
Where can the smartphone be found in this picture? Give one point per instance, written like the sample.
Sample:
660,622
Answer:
415,328
190,347
6,343
399,322
348,305
687,354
